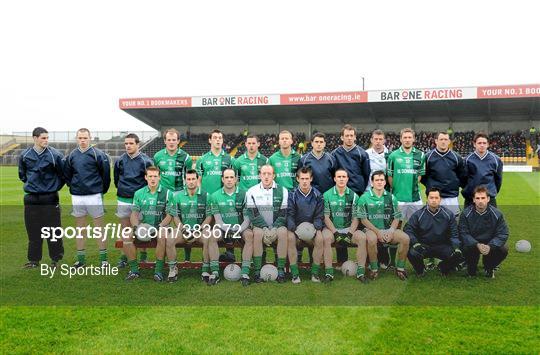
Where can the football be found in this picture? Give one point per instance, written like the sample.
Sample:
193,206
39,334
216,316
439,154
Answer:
232,272
305,231
348,268
145,232
269,272
523,246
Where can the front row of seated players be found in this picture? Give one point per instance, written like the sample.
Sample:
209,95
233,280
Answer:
268,214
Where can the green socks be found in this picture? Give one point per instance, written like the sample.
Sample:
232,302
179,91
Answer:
134,265
245,267
143,256
360,271
159,267
257,263
294,270
81,256
187,254
374,266
315,269
281,265
123,257
400,264
205,268
214,267
329,271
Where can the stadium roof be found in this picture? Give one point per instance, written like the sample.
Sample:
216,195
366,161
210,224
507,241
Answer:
491,103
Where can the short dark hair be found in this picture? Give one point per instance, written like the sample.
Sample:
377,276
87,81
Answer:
480,135
480,189
133,136
192,171
433,189
38,131
377,173
214,131
348,127
304,170
253,136
341,169
318,135
151,168
441,132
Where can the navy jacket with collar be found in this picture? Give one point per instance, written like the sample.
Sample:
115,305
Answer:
430,228
129,174
323,169
42,172
356,162
305,208
487,228
486,170
445,171
87,172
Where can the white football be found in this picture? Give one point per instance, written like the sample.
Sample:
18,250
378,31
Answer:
523,246
305,231
145,232
348,268
269,236
232,272
269,272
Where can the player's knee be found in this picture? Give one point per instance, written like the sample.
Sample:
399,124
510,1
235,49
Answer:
371,238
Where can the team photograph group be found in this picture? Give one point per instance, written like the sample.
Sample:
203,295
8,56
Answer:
370,201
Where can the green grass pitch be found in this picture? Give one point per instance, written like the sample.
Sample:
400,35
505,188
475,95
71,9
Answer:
107,315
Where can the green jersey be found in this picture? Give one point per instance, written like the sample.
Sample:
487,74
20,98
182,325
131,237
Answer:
380,211
340,207
172,168
230,207
248,170
151,206
285,168
210,167
191,210
405,170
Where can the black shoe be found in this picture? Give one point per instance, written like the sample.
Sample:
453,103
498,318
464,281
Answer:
31,265
78,264
421,274
205,276
362,278
328,278
245,281
401,274
281,278
213,280
54,265
490,274
257,279
373,274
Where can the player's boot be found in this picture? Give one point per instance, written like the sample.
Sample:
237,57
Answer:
244,280
173,274
362,278
328,278
132,276
490,274
158,277
257,278
401,274
281,277
315,278
104,263
373,274
213,280
205,276
30,265
296,280
78,264
122,264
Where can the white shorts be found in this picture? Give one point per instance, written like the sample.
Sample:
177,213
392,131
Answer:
408,208
123,209
452,203
87,205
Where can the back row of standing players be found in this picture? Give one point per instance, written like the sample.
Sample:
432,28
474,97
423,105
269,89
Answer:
440,168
